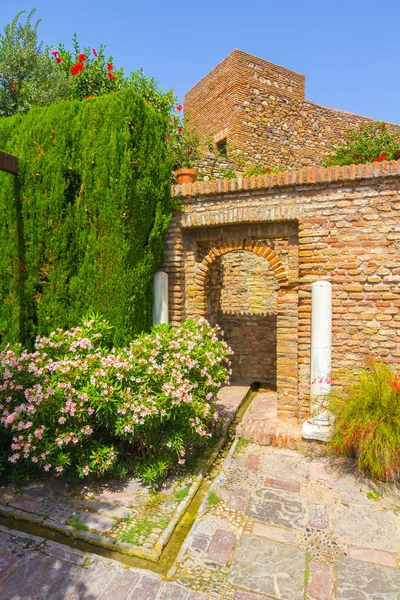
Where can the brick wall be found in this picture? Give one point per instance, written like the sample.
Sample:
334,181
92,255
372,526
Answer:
262,111
338,224
241,294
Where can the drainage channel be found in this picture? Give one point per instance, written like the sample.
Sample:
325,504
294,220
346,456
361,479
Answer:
170,552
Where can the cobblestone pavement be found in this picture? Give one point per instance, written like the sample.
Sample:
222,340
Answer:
275,524
280,524
34,569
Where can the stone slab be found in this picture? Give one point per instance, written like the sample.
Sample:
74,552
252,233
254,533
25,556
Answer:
320,586
358,580
277,534
239,499
282,484
121,586
318,516
221,546
65,553
352,498
228,401
369,528
201,542
253,462
277,508
26,503
377,557
146,589
6,562
39,576
111,509
173,592
97,522
276,466
240,595
270,568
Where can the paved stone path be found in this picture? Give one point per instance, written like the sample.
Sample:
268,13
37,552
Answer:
33,569
275,524
280,524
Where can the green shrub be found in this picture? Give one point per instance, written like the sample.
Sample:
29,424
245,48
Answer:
261,170
367,421
77,406
83,227
368,143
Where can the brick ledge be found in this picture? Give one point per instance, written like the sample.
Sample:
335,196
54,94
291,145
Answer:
304,176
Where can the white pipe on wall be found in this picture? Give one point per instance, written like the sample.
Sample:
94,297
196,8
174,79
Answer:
160,298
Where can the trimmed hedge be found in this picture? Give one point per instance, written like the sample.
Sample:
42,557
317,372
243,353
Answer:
82,228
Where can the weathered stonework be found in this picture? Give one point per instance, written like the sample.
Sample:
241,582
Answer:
252,247
261,110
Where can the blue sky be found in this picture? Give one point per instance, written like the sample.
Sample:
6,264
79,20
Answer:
349,51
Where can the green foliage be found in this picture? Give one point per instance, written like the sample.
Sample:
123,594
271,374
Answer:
137,532
261,170
28,75
367,421
307,571
76,406
83,227
241,444
213,499
88,71
373,495
184,144
77,524
371,142
181,494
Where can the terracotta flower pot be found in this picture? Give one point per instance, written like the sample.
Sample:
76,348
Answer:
186,175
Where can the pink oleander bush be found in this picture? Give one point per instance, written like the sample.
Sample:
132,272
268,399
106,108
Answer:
76,406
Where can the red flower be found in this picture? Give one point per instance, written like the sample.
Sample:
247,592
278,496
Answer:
268,169
13,85
81,58
89,96
59,59
381,158
166,138
179,107
180,129
94,52
361,128
75,69
384,126
397,152
110,66
55,53
110,76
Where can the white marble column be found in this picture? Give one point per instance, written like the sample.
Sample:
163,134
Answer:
318,426
160,298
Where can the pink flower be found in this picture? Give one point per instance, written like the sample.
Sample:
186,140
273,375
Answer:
85,470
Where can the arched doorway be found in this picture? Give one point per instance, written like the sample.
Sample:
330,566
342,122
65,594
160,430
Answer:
242,293
286,310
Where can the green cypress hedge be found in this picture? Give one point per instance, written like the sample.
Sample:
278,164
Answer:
82,228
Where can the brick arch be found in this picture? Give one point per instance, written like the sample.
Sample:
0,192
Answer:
235,245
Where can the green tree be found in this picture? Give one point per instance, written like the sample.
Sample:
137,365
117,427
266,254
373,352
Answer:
28,76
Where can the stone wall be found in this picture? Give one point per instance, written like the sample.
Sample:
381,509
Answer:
337,224
261,109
